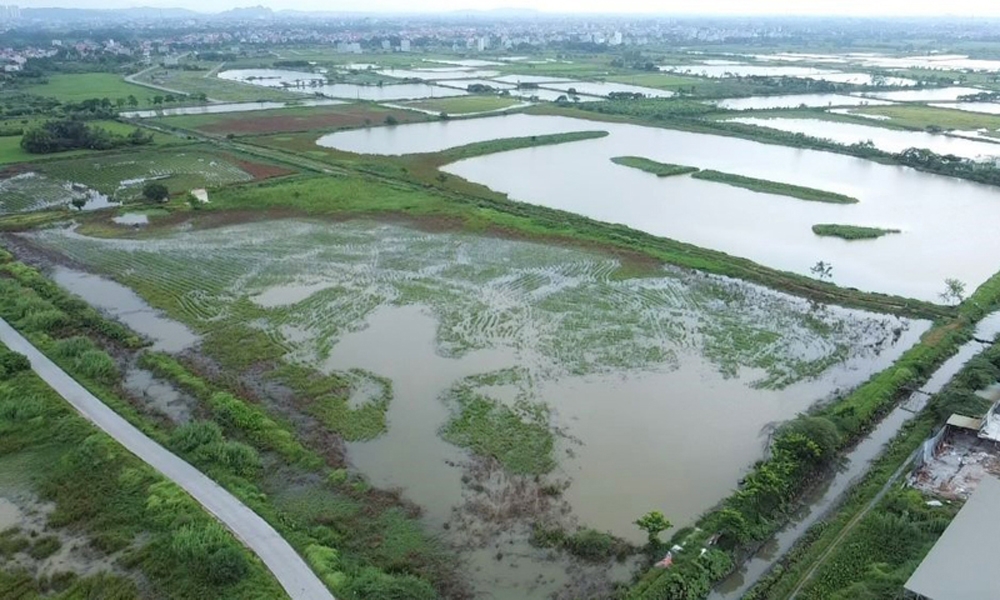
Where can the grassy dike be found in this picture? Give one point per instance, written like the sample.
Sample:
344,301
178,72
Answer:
834,558
801,451
851,232
765,186
120,506
651,166
361,542
753,184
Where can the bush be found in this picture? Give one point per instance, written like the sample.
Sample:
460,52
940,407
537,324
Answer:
73,347
155,192
13,363
373,584
45,547
97,365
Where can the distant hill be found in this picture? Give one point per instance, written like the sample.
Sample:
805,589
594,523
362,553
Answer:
124,14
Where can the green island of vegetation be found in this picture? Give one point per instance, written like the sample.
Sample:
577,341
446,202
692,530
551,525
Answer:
851,232
651,166
765,186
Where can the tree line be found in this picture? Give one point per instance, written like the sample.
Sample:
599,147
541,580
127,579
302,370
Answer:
72,134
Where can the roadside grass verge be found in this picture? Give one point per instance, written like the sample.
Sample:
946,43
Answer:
122,505
765,186
851,232
651,166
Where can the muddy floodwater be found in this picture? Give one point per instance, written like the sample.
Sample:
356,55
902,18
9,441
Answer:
215,109
795,101
310,83
941,217
679,375
126,306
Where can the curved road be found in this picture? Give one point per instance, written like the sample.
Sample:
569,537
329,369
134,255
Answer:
287,566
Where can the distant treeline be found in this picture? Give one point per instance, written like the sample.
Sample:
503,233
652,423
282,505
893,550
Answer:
62,135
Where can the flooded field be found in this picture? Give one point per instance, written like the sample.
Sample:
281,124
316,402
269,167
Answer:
438,74
602,89
744,70
889,140
795,101
551,339
310,83
33,191
215,109
940,217
949,94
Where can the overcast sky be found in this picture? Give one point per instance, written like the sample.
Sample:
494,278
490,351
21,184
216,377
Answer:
739,7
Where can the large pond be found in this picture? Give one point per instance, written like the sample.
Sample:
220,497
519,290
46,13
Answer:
947,94
787,71
603,88
639,372
309,83
795,101
213,109
889,140
437,74
941,218
989,108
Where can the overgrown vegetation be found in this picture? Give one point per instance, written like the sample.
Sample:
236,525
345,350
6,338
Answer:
121,504
765,186
60,136
852,232
651,166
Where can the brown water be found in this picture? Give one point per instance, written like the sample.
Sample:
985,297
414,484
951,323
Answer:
126,306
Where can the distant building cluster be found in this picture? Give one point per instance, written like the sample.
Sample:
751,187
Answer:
9,12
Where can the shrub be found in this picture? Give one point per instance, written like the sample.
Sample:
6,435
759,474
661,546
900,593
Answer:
13,363
373,584
97,365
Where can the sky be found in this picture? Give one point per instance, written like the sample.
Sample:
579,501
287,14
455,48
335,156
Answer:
979,8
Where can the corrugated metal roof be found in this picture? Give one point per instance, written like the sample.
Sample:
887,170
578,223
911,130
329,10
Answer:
965,422
962,564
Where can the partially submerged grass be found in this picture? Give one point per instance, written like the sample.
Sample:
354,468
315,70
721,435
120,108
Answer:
852,232
765,186
465,104
651,166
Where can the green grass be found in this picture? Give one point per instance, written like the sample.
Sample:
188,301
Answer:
518,436
852,232
292,118
119,504
77,87
506,144
765,186
651,166
11,151
919,116
465,104
663,81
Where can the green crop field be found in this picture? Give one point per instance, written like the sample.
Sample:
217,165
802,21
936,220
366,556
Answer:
466,104
919,116
75,87
291,119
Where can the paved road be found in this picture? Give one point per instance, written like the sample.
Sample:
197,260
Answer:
288,567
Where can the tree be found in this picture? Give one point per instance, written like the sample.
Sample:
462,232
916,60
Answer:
157,100
954,291
391,120
133,101
155,192
823,270
79,202
653,523
120,102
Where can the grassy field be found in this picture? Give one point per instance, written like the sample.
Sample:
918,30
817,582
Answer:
651,166
76,87
663,81
465,104
851,232
109,508
293,119
11,151
918,116
773,187
195,82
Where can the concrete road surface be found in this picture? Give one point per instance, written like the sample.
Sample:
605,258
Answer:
288,567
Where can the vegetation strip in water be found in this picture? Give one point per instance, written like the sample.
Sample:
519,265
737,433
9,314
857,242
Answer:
851,232
800,450
651,166
505,144
122,506
765,186
898,516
